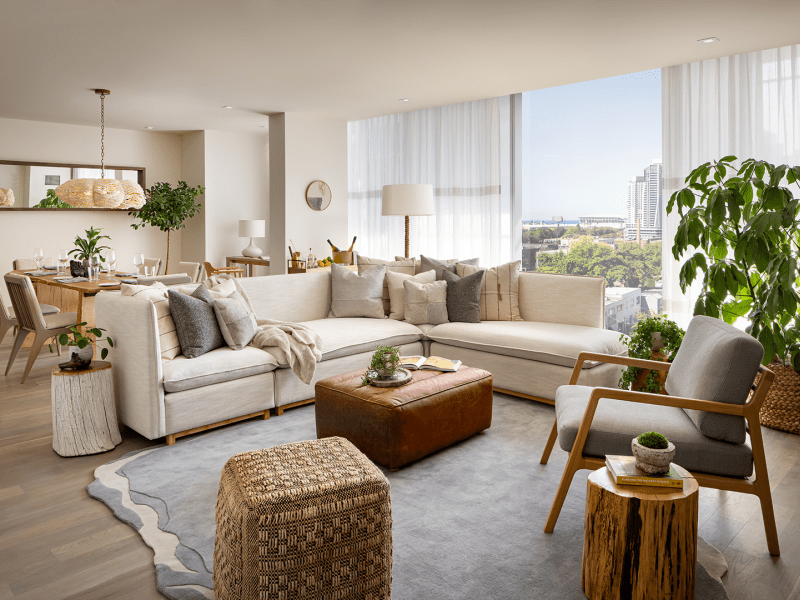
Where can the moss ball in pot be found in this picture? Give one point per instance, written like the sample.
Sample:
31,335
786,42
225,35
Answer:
653,452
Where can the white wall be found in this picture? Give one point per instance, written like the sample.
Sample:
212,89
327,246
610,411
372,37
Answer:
304,148
21,232
193,172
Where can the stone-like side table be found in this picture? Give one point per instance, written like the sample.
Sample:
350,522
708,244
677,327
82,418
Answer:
84,413
639,542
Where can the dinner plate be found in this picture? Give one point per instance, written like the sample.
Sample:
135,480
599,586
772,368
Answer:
108,284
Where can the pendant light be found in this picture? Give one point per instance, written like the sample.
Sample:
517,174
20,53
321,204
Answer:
101,193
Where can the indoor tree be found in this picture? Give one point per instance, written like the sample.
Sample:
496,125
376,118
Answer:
168,208
743,235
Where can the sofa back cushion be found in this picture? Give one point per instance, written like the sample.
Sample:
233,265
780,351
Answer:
402,265
354,295
565,299
289,298
716,362
499,290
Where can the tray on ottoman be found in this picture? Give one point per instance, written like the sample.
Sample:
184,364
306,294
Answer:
395,426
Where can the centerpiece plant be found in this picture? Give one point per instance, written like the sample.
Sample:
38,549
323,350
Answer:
741,233
88,248
383,365
653,338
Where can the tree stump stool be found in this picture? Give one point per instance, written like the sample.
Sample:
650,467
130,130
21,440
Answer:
639,542
84,413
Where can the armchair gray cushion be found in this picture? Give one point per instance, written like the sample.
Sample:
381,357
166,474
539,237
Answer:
617,422
716,362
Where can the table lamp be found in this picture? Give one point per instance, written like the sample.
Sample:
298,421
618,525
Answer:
252,228
408,199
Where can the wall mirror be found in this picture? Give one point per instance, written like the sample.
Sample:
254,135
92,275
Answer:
24,184
318,195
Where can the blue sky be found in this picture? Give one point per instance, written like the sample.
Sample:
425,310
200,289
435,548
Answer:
582,143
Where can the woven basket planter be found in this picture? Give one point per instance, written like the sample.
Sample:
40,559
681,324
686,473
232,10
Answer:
781,409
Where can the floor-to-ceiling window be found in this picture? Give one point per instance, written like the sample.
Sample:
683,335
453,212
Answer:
591,188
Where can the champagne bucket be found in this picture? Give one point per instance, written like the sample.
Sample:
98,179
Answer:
343,258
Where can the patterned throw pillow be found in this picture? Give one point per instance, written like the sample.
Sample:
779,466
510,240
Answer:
499,292
397,292
464,297
401,265
426,302
157,294
357,295
195,322
236,320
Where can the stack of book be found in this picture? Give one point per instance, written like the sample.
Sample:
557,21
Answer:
624,472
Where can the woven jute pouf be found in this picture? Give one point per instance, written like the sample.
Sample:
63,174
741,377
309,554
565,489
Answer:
309,520
781,408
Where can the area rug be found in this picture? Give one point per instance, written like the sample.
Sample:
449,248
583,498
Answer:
467,520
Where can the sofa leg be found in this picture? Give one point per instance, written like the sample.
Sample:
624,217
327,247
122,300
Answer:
171,440
279,410
266,414
551,441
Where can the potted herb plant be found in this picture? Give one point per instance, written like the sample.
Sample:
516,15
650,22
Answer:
167,208
653,338
384,364
653,452
80,347
740,229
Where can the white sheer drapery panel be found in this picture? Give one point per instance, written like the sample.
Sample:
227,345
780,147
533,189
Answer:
463,150
746,105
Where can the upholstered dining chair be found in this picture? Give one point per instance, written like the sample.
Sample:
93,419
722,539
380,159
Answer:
715,388
153,262
8,319
29,264
192,269
31,320
211,270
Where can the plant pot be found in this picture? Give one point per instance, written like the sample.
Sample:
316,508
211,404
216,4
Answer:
641,375
390,369
781,408
78,359
652,460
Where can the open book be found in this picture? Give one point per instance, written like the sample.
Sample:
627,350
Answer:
434,363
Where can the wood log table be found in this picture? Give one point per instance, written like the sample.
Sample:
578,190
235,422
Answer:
639,542
84,412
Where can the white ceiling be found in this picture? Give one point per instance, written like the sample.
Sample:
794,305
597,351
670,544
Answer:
172,64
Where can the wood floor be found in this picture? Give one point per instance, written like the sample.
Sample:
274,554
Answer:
56,542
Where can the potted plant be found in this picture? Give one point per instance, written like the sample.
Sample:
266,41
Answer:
741,230
384,364
88,249
80,347
653,338
653,452
51,200
168,208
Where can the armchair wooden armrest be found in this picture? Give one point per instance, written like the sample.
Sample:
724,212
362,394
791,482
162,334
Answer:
655,365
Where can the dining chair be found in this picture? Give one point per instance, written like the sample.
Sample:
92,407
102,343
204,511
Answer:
192,269
29,264
153,262
8,319
211,270
714,391
30,319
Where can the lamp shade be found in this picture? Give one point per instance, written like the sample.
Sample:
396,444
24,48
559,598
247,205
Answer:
410,199
252,228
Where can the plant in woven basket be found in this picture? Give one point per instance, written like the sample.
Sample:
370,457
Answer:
653,439
383,365
653,338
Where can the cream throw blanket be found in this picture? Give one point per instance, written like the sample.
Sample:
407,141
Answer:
301,345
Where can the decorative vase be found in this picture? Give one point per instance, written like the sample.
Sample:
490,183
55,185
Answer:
79,358
652,460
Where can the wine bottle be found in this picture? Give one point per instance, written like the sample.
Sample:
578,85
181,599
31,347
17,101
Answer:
350,249
333,248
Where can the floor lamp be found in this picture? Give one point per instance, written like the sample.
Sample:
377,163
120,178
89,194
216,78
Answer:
408,199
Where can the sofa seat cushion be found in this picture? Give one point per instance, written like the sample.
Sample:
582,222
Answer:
552,343
216,366
617,422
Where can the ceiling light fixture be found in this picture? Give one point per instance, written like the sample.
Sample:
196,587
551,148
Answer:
227,107
710,40
403,99
148,127
101,193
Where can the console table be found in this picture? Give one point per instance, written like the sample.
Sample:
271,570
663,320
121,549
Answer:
248,261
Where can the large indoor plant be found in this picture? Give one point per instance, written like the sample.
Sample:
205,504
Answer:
653,338
741,230
167,208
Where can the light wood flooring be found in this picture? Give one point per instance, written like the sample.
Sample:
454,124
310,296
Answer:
56,542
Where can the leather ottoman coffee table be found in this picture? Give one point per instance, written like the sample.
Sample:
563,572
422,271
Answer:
396,426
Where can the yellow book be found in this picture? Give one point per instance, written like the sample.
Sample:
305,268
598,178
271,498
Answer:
432,363
624,472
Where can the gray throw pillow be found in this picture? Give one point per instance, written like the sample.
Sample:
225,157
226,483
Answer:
354,295
236,320
463,297
428,264
195,322
426,302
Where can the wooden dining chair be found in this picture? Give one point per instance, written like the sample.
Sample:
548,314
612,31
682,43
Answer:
8,319
211,270
30,319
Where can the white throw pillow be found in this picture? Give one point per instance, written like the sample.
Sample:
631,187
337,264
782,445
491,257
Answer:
499,291
401,265
236,320
426,302
397,292
354,295
157,294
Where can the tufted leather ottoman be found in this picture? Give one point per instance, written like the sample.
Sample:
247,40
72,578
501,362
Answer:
310,520
395,426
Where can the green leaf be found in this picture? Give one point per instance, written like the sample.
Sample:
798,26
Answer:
110,342
63,339
82,343
96,332
103,353
727,159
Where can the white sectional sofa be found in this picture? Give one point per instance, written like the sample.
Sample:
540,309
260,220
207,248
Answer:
563,315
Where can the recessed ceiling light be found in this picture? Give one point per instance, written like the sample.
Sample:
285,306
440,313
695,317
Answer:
227,107
148,127
403,99
710,40
264,126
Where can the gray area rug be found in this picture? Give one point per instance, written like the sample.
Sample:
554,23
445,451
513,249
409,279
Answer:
467,520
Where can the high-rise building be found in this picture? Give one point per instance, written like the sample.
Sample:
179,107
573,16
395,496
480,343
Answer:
643,206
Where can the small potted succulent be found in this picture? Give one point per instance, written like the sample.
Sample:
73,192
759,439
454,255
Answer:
653,452
384,364
80,347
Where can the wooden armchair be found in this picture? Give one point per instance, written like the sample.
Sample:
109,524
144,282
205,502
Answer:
588,446
211,270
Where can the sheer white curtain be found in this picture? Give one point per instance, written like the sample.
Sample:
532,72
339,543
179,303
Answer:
463,150
746,105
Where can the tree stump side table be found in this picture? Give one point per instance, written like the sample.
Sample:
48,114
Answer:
639,542
84,412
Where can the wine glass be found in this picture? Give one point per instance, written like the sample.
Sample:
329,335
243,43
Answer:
111,262
63,261
138,262
38,254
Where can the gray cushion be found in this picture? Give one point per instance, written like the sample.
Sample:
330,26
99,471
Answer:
236,320
617,422
716,362
195,322
463,297
427,264
426,302
357,295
